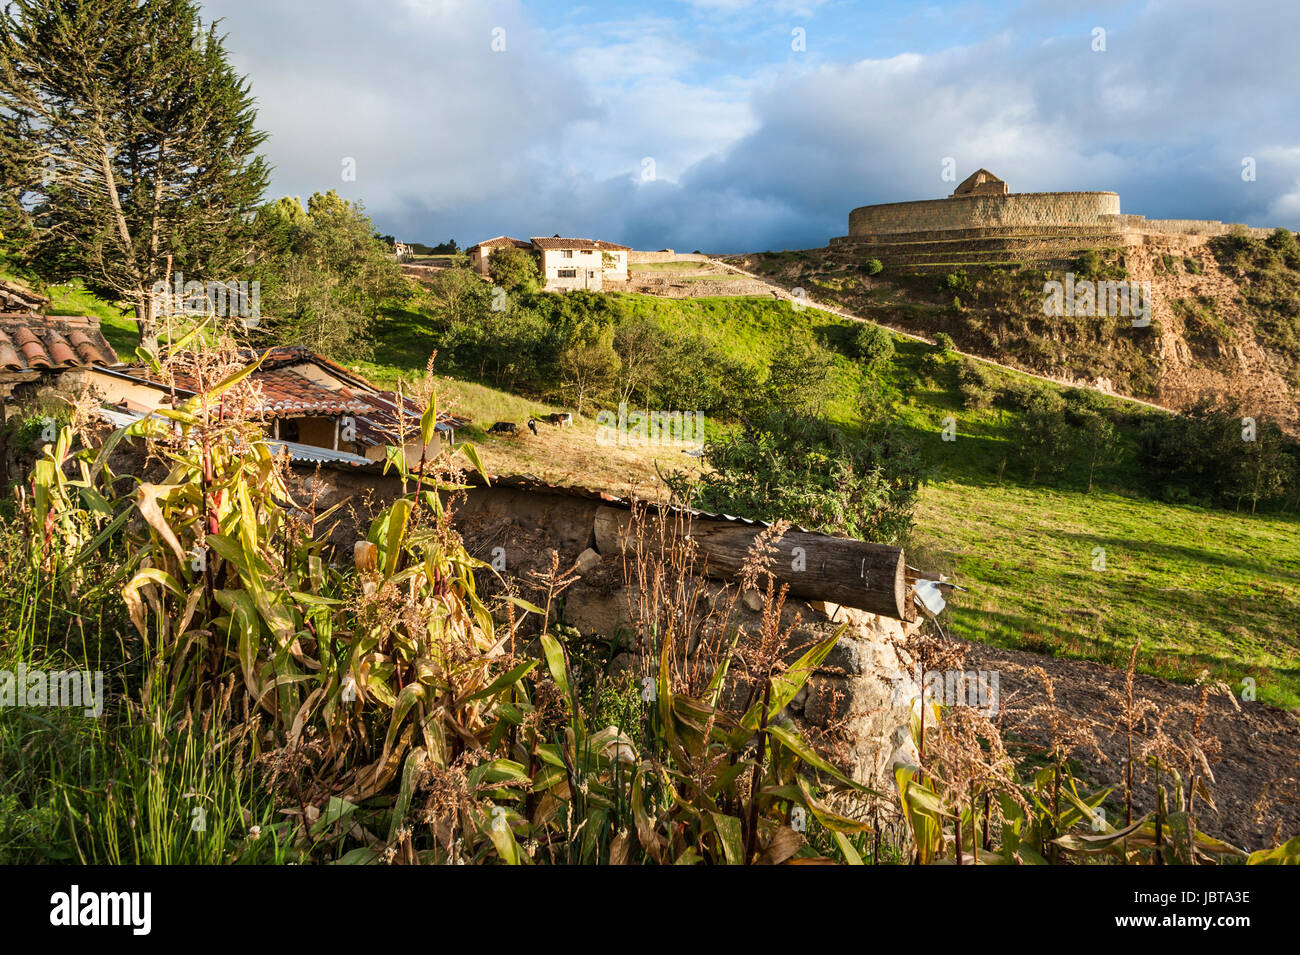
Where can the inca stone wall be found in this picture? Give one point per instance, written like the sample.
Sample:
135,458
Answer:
965,212
1041,228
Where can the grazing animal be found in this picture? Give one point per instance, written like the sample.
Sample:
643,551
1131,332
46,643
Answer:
532,425
504,427
560,418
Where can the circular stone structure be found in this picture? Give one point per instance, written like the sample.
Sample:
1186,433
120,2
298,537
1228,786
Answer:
985,211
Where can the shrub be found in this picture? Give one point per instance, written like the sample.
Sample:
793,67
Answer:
797,468
873,345
1284,241
1088,264
1212,455
873,267
955,282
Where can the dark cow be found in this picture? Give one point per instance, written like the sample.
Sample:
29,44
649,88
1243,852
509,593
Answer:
504,427
560,418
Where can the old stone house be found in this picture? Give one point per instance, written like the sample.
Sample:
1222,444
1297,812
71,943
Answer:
562,263
580,263
312,408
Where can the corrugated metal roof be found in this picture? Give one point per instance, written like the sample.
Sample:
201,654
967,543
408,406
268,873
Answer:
310,454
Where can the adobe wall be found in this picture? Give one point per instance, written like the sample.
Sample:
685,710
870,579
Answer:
964,212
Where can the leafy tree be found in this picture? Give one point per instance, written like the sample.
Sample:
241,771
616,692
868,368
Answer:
975,384
325,274
1044,437
640,344
801,379
1214,454
1265,468
127,145
513,268
939,361
589,364
457,298
693,373
1099,439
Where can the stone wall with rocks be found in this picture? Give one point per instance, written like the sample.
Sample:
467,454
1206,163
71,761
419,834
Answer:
638,257
1015,229
962,212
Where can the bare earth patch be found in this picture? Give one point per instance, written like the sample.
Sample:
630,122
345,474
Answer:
1256,786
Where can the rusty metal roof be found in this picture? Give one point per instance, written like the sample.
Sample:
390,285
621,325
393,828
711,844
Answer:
52,343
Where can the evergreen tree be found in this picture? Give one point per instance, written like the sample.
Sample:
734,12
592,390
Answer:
127,146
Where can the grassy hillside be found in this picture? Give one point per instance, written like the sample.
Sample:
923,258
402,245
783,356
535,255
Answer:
1202,589
1225,315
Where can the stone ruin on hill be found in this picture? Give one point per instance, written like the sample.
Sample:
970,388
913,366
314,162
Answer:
983,223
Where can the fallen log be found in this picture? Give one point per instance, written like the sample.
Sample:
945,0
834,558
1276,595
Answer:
839,570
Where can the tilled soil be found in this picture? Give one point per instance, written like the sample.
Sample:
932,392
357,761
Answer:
1256,785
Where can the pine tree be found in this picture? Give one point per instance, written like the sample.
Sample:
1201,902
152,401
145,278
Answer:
127,146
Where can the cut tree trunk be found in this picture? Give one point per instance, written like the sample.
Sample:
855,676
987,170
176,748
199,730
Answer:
839,570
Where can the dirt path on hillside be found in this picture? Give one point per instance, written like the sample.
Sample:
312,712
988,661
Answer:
781,292
1256,774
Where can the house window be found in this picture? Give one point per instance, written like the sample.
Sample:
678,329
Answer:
566,273
568,253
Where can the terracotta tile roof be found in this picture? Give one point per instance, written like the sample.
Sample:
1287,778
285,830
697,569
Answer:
500,241
286,356
288,393
15,297
40,343
557,243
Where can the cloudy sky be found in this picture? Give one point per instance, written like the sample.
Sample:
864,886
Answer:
737,125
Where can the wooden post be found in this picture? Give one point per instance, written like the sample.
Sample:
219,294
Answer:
840,570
